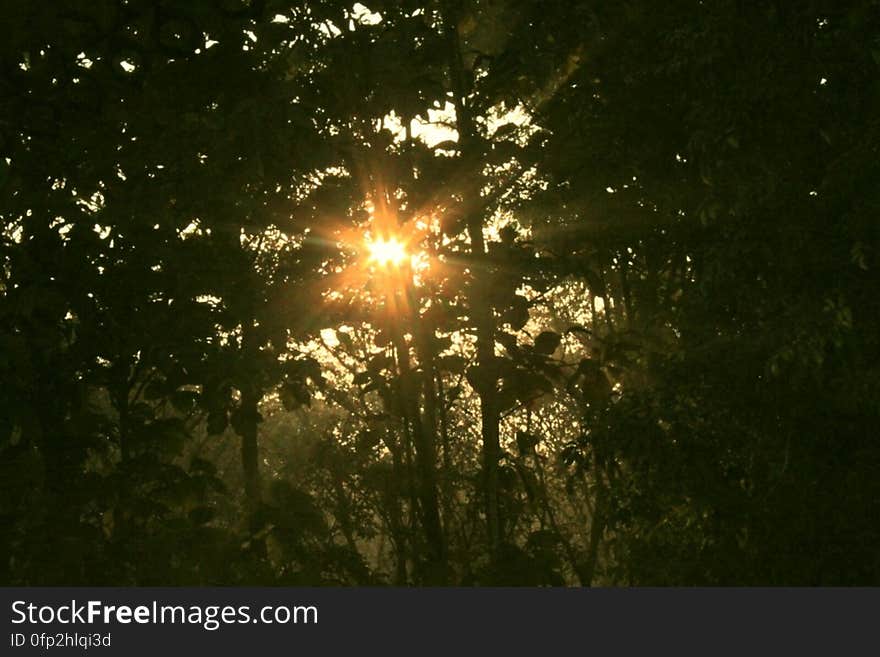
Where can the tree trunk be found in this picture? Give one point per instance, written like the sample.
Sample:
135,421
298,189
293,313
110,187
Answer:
425,453
481,314
249,448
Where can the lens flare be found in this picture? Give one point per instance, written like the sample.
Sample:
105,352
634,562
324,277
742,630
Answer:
388,252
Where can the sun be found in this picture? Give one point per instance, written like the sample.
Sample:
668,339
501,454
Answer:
387,252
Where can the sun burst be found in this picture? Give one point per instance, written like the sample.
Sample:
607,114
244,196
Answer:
387,252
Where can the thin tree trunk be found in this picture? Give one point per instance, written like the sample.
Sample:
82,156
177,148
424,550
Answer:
481,313
597,526
248,420
425,465
625,288
250,449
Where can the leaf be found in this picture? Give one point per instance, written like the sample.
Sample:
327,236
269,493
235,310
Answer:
380,362
518,313
345,339
202,466
594,282
547,342
294,395
184,401
448,145
593,383
508,341
530,385
481,378
217,422
155,389
367,439
505,130
578,328
506,399
453,364
362,377
525,442
243,419
310,368
170,435
201,515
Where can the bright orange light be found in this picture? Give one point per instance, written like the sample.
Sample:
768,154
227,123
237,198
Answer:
387,252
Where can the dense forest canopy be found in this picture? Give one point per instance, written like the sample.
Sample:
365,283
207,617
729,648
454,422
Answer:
439,292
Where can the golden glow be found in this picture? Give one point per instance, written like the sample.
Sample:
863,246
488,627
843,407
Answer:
388,252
